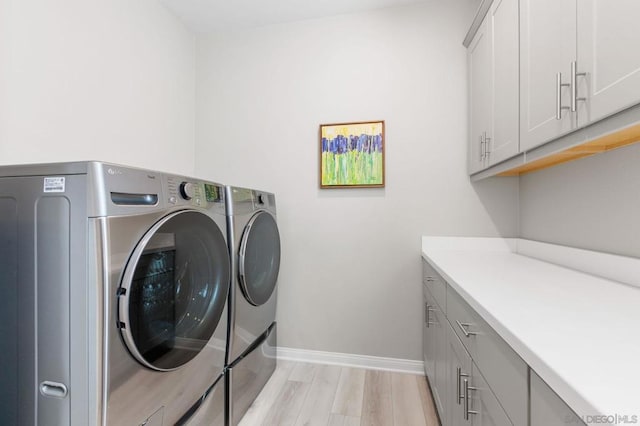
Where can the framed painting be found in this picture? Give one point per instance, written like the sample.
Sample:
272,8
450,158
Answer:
352,155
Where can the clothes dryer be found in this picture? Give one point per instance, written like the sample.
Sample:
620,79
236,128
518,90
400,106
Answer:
114,295
254,244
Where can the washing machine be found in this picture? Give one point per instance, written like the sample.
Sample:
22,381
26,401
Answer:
254,244
113,304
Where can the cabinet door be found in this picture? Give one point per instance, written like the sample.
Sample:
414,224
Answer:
608,39
459,370
434,346
547,47
441,365
504,135
428,338
487,411
547,409
480,90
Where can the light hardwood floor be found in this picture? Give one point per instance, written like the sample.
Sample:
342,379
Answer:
327,395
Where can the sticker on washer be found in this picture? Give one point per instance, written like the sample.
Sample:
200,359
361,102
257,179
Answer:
54,184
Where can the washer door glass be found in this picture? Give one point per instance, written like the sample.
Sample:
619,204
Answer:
259,258
174,290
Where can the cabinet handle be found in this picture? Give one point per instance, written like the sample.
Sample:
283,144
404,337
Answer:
481,148
559,86
462,326
459,375
574,86
487,141
429,279
466,390
427,316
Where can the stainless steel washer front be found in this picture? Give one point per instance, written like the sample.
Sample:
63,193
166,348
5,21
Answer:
171,297
114,296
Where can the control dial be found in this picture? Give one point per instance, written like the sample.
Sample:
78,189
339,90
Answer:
187,190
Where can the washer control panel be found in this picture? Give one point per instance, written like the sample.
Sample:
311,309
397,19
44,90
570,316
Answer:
187,190
183,191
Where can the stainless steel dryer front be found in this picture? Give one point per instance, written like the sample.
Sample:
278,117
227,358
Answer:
254,244
115,297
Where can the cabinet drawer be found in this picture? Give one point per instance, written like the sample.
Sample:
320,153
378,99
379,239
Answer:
504,371
464,321
435,283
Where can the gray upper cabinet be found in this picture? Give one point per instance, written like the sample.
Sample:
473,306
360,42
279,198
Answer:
547,48
576,63
480,92
608,39
504,139
493,87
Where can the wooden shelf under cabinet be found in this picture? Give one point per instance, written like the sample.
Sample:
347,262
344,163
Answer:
624,137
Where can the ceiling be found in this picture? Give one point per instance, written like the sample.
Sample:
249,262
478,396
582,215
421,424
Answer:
219,15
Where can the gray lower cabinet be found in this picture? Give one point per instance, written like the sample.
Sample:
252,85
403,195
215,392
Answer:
459,375
547,409
428,338
487,410
434,348
436,285
471,400
439,322
461,394
505,372
476,378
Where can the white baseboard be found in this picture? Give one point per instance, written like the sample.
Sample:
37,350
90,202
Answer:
352,360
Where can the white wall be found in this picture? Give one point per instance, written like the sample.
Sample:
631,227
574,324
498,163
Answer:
592,203
351,276
110,80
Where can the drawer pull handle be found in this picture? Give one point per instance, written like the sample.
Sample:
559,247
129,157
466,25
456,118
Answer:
466,390
466,332
459,375
430,279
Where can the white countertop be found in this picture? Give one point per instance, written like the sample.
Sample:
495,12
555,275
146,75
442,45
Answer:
580,333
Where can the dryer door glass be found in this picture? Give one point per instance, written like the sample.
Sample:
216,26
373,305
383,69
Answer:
174,290
259,258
